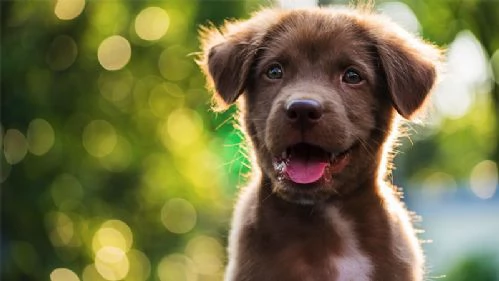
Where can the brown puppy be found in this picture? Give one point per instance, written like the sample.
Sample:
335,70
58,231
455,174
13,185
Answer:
319,93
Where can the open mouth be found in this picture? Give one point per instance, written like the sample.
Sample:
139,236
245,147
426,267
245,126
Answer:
304,163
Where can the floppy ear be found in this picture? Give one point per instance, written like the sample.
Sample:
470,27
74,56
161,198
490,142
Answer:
228,55
228,66
410,67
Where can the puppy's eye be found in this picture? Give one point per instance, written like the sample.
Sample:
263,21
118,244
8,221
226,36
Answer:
352,76
274,71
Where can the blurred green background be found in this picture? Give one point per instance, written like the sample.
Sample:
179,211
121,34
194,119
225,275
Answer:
113,167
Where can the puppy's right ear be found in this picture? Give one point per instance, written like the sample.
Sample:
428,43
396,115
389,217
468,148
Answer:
228,55
227,64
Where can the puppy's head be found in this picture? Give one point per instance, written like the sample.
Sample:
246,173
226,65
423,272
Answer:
320,89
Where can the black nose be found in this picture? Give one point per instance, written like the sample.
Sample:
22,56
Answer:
304,110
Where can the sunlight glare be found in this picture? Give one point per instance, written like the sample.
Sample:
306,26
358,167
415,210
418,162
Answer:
402,14
467,59
293,4
452,98
467,74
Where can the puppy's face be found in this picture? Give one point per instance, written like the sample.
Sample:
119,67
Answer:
320,90
312,100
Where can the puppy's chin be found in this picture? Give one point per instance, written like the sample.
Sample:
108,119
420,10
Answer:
304,194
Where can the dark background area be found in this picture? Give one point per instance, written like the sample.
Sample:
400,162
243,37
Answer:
113,166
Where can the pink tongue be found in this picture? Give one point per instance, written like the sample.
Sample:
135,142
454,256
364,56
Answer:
305,171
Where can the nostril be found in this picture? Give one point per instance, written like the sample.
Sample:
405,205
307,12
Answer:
304,110
314,115
292,114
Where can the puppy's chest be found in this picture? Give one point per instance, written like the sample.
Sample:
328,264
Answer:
350,266
353,266
330,255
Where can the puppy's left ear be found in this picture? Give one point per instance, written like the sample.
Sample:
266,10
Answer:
410,66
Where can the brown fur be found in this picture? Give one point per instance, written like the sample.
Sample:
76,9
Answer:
281,230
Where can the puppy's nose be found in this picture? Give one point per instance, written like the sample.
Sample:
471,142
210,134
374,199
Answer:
304,110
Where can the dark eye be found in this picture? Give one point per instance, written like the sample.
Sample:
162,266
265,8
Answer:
274,71
352,76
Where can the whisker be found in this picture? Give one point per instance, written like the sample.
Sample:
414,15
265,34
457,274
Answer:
229,118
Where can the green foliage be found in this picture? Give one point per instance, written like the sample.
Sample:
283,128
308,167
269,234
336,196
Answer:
113,164
477,267
130,158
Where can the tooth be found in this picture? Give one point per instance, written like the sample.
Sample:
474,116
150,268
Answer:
333,156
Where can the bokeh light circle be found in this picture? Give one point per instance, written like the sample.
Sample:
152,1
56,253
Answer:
177,267
24,256
184,126
206,253
120,158
99,138
174,64
90,273
61,228
140,266
40,136
164,98
62,53
178,216
152,23
484,179
112,263
108,237
63,274
66,192
68,9
114,52
116,86
15,146
113,233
